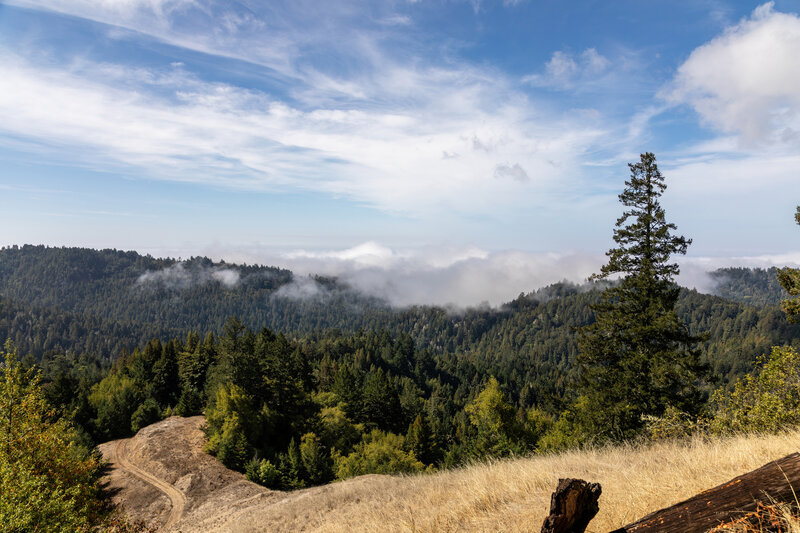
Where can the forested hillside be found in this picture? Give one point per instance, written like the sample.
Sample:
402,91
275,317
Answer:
192,294
58,300
316,381
753,286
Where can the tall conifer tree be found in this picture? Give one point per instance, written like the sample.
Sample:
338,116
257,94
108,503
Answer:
637,358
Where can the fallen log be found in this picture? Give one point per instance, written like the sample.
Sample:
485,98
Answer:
776,481
572,506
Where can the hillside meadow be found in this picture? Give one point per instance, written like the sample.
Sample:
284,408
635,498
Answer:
514,494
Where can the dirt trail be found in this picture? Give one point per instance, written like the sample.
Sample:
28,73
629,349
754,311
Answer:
163,476
119,456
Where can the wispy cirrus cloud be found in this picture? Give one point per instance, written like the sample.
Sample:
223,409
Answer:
387,154
356,100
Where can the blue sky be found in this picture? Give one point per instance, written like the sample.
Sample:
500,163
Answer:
476,145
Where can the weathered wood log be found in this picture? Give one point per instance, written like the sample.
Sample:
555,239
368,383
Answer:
572,506
776,481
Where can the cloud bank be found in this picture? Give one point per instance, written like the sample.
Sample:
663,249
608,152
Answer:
184,275
460,277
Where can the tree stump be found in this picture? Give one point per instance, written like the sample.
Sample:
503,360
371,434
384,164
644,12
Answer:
572,506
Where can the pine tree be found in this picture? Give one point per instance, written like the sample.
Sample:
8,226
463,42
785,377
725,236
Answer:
637,358
790,280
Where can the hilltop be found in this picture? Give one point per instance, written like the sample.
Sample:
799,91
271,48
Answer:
507,495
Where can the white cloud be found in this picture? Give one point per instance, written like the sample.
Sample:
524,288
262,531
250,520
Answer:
207,26
514,172
694,270
747,81
565,70
723,176
467,276
388,155
185,275
461,276
455,276
300,288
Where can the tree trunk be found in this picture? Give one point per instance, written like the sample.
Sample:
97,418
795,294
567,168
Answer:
776,481
572,506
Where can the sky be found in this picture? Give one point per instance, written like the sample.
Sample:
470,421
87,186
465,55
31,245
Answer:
432,151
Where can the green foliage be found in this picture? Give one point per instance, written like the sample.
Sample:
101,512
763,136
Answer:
190,402
291,467
228,418
338,431
230,444
115,399
419,440
264,473
498,432
47,482
377,453
638,357
789,278
766,401
575,427
145,414
536,424
380,402
317,464
674,424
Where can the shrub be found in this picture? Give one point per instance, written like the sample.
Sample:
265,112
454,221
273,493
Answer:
146,414
766,400
264,473
377,453
674,424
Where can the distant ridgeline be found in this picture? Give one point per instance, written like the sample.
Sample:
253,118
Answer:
101,302
754,286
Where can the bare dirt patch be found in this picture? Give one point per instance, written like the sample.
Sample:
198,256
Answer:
162,475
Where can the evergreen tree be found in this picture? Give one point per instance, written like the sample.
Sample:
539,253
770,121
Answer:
790,280
637,358
317,464
419,440
495,421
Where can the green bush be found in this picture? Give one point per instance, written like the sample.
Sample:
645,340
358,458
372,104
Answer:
767,400
674,424
146,414
498,431
228,418
264,473
377,453
230,444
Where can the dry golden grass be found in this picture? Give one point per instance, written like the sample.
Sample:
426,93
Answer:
511,495
514,495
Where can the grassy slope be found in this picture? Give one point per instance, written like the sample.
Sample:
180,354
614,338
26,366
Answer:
514,495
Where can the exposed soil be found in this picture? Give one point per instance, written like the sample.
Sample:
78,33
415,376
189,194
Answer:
163,477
